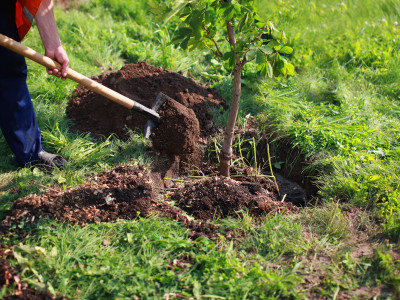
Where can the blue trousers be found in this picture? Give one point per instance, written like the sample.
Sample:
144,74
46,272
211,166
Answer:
17,116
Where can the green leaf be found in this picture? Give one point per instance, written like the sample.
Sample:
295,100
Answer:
251,54
277,45
184,43
181,34
267,49
209,17
197,44
290,69
61,179
260,57
20,259
196,19
166,13
263,69
286,50
129,237
228,13
260,25
230,59
270,70
243,22
156,7
37,172
279,66
374,178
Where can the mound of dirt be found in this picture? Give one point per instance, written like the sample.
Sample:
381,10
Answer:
178,132
126,192
141,82
219,197
122,193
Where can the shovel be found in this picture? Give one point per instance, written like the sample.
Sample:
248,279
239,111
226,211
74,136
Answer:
154,117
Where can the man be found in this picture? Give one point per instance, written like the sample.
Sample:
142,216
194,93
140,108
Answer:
17,116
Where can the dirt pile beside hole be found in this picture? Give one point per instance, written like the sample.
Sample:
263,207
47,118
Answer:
141,82
127,191
122,193
178,132
219,197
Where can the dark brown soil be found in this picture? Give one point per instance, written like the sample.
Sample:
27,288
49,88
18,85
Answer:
126,192
141,82
122,193
185,120
219,197
178,132
6,272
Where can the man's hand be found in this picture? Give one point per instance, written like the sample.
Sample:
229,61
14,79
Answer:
47,27
59,55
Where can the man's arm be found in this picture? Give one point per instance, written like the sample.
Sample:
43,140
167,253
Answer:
47,27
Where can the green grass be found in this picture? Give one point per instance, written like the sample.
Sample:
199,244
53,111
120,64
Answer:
149,258
341,111
343,108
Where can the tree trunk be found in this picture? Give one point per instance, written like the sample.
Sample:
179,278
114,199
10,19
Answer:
226,151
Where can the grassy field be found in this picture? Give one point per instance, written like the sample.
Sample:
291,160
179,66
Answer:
341,112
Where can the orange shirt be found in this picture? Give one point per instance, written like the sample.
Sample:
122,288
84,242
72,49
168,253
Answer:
25,11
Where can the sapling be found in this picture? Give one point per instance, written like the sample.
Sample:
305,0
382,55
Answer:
236,34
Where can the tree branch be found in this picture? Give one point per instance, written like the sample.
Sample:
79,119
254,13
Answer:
218,51
231,34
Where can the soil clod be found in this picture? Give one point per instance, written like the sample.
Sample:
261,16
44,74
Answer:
178,131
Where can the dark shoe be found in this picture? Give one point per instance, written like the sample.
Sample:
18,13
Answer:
50,161
47,161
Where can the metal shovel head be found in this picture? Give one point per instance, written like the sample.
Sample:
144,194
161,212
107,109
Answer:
151,124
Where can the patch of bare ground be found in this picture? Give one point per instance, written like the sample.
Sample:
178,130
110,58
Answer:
359,244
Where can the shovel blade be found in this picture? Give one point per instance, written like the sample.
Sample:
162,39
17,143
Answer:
152,124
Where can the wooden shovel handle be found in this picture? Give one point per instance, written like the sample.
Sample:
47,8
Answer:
71,74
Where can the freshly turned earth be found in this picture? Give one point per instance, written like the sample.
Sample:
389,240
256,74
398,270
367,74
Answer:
122,193
126,192
95,114
220,197
178,132
131,190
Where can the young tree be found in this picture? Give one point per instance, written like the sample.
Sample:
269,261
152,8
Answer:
210,24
